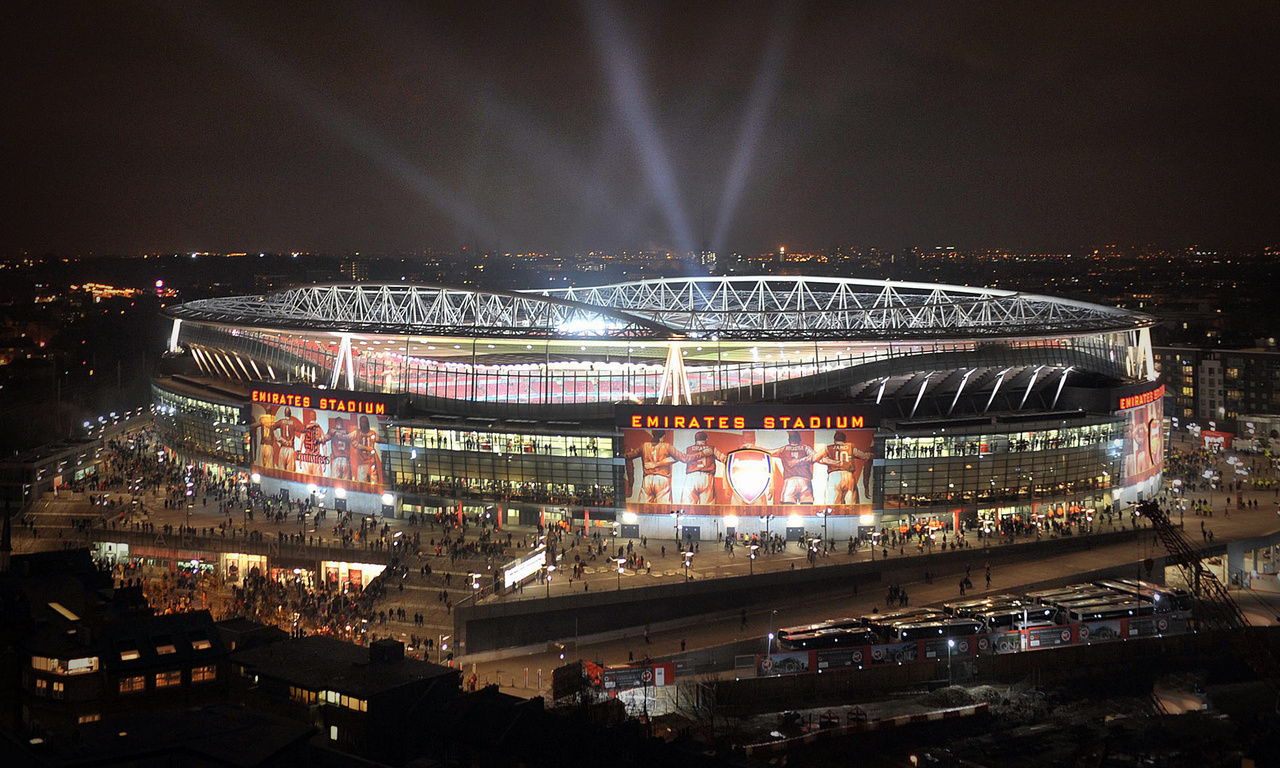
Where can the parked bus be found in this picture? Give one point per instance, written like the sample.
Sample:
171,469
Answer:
1165,599
786,633
932,630
1010,618
882,623
1072,592
964,608
1103,611
829,638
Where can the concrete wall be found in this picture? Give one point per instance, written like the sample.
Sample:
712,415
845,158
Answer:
505,623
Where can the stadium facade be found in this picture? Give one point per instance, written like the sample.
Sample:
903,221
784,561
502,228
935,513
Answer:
700,406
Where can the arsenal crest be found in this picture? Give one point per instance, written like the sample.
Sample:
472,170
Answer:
750,471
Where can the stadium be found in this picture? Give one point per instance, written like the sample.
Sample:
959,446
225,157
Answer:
697,407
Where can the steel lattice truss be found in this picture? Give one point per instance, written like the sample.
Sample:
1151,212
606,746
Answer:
822,308
420,309
784,308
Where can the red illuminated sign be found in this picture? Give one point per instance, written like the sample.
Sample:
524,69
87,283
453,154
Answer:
326,403
743,417
1142,398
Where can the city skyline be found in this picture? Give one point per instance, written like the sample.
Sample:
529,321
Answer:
228,127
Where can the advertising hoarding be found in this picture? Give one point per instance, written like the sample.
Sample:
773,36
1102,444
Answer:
753,460
327,438
1144,457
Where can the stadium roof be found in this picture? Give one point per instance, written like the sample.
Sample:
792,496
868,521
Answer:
727,308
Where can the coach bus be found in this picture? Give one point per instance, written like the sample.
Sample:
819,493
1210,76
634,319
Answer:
962,608
1169,600
829,638
932,630
883,623
1005,619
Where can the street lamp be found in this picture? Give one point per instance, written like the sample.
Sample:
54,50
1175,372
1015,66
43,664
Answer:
549,569
765,519
768,649
675,513
441,647
951,644
688,560
825,514
752,559
622,562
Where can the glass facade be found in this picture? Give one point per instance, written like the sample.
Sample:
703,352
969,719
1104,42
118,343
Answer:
199,426
1015,472
560,469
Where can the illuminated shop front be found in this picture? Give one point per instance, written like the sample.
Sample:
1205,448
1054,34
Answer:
338,574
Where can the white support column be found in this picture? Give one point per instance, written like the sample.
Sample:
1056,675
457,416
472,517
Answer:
1030,384
1061,383
344,354
173,334
995,389
964,380
675,379
1146,357
920,394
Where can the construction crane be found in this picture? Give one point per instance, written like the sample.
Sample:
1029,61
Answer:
1218,609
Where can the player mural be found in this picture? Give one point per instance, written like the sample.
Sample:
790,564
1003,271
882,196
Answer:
334,446
727,469
1145,456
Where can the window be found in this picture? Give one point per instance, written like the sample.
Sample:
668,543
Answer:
133,684
203,674
333,733
79,666
301,695
200,644
42,687
59,690
164,647
92,717
129,654
169,679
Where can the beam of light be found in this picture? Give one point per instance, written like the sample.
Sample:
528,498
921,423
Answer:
236,47
763,89
622,67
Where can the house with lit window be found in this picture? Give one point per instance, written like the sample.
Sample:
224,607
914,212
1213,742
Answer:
372,701
87,651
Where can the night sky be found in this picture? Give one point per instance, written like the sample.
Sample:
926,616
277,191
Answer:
186,125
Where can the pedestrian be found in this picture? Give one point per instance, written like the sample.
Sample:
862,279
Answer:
646,634
988,579
962,587
682,645
744,615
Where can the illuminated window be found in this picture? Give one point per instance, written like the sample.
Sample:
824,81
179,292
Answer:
200,644
169,679
89,718
301,695
202,674
129,654
58,690
133,684
42,687
166,649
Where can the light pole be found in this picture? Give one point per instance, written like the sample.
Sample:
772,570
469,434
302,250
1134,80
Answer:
752,559
951,644
675,513
622,562
441,647
768,649
825,514
688,560
549,570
